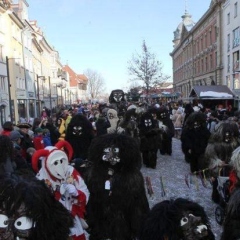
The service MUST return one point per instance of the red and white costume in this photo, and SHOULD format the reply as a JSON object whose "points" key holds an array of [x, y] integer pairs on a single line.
{"points": [[66, 183]]}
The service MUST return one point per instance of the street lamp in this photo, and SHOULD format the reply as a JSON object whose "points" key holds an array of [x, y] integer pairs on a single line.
{"points": [[38, 94], [12, 117]]}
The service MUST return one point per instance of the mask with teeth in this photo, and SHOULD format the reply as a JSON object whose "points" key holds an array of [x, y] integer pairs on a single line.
{"points": [[192, 227], [110, 155]]}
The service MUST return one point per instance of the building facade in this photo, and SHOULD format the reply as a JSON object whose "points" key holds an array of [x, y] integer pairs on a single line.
{"points": [[31, 72], [198, 50]]}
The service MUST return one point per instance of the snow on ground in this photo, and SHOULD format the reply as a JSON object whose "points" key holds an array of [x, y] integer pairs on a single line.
{"points": [[172, 170]]}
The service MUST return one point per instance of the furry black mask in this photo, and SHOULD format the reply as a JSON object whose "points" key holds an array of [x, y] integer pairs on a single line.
{"points": [[29, 211], [179, 219], [116, 96]]}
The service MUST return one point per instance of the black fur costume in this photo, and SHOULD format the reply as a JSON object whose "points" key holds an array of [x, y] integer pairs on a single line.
{"points": [[79, 135], [179, 219], [118, 201], [223, 141], [118, 101], [168, 131], [149, 139], [231, 226], [29, 211], [194, 139], [130, 123]]}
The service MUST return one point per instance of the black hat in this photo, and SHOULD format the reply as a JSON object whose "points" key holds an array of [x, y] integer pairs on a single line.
{"points": [[24, 125]]}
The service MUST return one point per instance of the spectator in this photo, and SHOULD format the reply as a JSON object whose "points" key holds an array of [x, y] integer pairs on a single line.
{"points": [[46, 138], [18, 158], [26, 141], [7, 128], [7, 165], [102, 124], [38, 139]]}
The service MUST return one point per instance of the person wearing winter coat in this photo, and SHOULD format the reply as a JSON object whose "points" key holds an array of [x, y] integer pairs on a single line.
{"points": [[102, 124]]}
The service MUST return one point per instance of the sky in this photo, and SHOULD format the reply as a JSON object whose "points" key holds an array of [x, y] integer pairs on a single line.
{"points": [[103, 35]]}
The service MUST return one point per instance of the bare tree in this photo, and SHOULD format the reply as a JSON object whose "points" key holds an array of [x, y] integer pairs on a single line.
{"points": [[96, 83], [144, 67]]}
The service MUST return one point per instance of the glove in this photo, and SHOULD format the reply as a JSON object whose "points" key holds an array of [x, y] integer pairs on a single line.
{"points": [[71, 189]]}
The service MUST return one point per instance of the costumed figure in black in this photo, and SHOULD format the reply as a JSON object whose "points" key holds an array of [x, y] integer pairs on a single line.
{"points": [[117, 99], [177, 219], [231, 222], [188, 109], [130, 123], [231, 229], [167, 130], [194, 137], [223, 141], [79, 135], [149, 139], [117, 203], [29, 211]]}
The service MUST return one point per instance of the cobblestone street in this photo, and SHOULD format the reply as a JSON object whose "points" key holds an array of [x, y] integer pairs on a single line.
{"points": [[172, 171]]}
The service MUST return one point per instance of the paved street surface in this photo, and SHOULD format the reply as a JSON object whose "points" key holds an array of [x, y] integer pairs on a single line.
{"points": [[172, 170]]}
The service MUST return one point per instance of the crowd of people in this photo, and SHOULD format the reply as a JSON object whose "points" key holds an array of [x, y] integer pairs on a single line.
{"points": [[90, 157]]}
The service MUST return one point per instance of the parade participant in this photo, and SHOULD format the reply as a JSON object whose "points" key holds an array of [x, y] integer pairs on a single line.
{"points": [[79, 134], [114, 120], [194, 139], [223, 141], [176, 219], [166, 125], [149, 139], [29, 211], [118, 201], [102, 124], [64, 181]]}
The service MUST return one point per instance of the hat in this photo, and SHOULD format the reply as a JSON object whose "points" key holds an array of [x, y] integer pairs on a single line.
{"points": [[24, 125], [38, 130], [15, 135]]}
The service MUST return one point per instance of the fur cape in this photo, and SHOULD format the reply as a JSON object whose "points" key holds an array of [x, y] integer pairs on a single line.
{"points": [[117, 202], [194, 140], [150, 139], [80, 140], [223, 141], [179, 219], [32, 199], [231, 229]]}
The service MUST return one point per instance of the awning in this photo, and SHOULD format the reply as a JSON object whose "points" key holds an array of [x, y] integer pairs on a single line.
{"points": [[211, 92]]}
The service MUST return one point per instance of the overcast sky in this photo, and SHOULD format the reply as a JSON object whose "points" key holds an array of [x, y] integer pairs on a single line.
{"points": [[103, 34]]}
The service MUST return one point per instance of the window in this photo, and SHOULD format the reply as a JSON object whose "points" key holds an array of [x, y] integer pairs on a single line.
{"points": [[228, 18], [228, 42], [211, 61], [228, 81], [2, 83], [206, 64], [235, 9], [1, 53], [228, 63], [236, 61], [236, 37]]}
